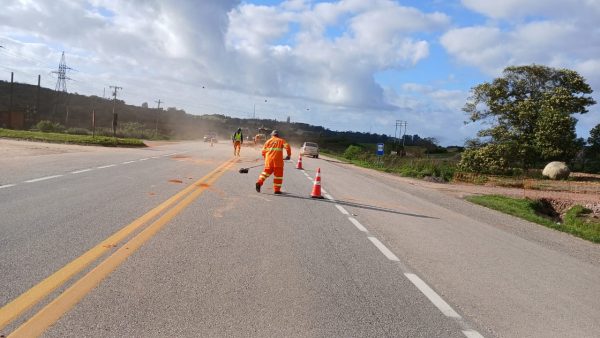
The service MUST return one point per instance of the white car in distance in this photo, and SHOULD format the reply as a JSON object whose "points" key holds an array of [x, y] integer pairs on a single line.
{"points": [[310, 149]]}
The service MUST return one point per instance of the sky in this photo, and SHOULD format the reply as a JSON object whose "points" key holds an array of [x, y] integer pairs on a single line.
{"points": [[346, 65]]}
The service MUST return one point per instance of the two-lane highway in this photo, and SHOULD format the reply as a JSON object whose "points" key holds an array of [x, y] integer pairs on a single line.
{"points": [[174, 241]]}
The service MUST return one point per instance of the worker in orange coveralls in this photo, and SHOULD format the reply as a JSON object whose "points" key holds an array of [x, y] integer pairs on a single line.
{"points": [[273, 153]]}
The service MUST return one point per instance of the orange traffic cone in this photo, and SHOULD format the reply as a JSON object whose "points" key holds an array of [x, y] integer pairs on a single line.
{"points": [[299, 163], [316, 191]]}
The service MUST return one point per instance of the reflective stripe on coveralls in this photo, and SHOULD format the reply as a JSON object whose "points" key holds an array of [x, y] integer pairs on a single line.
{"points": [[277, 178]]}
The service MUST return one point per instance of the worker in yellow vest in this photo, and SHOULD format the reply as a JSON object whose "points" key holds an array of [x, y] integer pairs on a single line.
{"points": [[237, 139]]}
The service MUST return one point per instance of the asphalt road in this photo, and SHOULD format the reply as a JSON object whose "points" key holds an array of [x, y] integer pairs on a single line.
{"points": [[377, 257]]}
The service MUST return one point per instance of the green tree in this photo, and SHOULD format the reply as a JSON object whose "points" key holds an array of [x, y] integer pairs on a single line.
{"points": [[594, 142], [529, 113]]}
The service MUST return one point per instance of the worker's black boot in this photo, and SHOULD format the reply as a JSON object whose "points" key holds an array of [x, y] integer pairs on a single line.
{"points": [[257, 187], [277, 192]]}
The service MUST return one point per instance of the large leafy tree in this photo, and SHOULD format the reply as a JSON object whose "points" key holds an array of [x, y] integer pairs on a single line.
{"points": [[529, 113]]}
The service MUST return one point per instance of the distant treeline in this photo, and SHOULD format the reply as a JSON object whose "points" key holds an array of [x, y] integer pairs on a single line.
{"points": [[172, 122]]}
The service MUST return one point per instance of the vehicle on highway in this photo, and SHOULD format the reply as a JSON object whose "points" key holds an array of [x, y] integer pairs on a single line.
{"points": [[310, 149], [210, 136], [260, 139]]}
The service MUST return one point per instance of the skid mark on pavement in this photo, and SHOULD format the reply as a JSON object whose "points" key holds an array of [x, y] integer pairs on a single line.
{"points": [[229, 204], [175, 181]]}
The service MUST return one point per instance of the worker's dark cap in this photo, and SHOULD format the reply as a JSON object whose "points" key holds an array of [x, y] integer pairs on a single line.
{"points": [[274, 133]]}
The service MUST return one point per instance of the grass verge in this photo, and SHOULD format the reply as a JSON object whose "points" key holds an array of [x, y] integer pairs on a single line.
{"points": [[72, 139], [574, 221], [407, 167]]}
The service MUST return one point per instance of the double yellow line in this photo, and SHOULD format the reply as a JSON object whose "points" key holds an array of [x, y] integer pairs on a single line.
{"points": [[37, 324]]}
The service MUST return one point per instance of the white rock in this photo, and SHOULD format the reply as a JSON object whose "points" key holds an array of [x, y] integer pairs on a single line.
{"points": [[556, 170]]}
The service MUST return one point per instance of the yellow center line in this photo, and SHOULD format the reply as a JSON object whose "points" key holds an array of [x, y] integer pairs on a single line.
{"points": [[34, 295]]}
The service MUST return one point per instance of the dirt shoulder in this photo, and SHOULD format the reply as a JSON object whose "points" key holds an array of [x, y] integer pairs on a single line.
{"points": [[461, 190], [17, 148]]}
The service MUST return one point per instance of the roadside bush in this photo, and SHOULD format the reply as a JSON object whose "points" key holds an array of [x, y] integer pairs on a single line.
{"points": [[49, 127], [353, 152], [488, 159], [133, 130]]}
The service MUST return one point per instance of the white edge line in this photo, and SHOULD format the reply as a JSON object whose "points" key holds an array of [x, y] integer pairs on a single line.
{"points": [[342, 210], [81, 171], [7, 186], [384, 250], [324, 191], [155, 157], [329, 197], [106, 166], [127, 162], [472, 334], [432, 296], [357, 224], [42, 178], [143, 159]]}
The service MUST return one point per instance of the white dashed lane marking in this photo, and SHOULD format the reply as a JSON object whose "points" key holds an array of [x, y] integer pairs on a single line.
{"points": [[433, 297], [357, 224], [42, 178], [87, 170], [342, 210], [472, 334], [81, 171], [384, 250]]}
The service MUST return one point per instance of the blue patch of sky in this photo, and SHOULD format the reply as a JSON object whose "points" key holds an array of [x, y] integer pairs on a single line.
{"points": [[437, 70], [105, 12], [459, 15], [290, 37]]}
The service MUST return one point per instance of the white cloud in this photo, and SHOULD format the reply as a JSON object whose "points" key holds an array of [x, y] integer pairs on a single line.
{"points": [[515, 10], [551, 32], [298, 54]]}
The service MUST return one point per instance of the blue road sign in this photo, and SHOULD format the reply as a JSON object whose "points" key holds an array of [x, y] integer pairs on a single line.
{"points": [[379, 149]]}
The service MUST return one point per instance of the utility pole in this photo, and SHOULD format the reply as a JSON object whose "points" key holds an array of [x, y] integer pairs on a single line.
{"points": [[400, 124], [115, 116], [37, 96], [12, 82], [156, 120]]}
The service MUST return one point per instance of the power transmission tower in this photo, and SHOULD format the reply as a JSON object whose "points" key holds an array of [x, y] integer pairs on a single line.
{"points": [[156, 120], [61, 82], [115, 116]]}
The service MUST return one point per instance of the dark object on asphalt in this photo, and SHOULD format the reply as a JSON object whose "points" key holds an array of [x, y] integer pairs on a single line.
{"points": [[277, 192], [245, 170], [257, 187]]}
